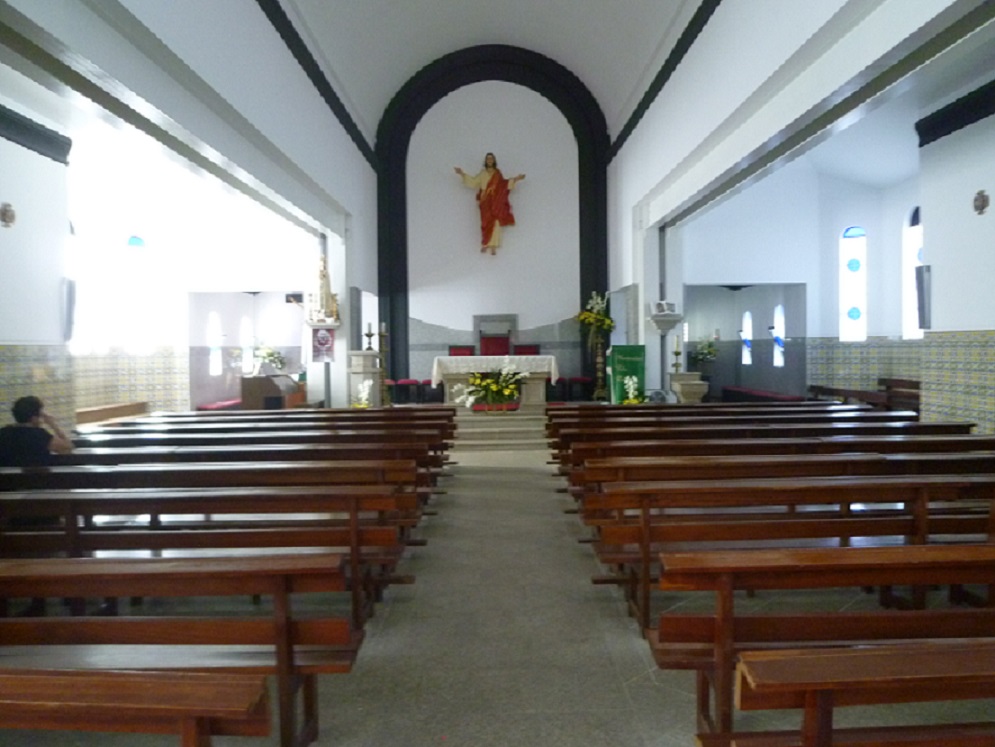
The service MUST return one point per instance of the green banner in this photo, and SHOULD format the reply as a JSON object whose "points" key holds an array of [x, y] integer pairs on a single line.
{"points": [[626, 362]]}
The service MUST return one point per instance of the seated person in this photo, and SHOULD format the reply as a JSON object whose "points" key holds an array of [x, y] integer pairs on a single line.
{"points": [[27, 443]]}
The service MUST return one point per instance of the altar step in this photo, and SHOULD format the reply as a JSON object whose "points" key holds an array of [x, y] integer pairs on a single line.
{"points": [[522, 430]]}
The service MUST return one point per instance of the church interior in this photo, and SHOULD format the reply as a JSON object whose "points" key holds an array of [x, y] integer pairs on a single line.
{"points": [[294, 204]]}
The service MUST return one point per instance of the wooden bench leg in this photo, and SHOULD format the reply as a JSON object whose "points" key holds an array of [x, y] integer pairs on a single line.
{"points": [[309, 698], [817, 723], [195, 732]]}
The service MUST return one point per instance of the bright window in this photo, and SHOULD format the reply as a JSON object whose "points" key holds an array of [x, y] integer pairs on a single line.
{"points": [[911, 259], [777, 332], [853, 285], [215, 337], [746, 335], [247, 341]]}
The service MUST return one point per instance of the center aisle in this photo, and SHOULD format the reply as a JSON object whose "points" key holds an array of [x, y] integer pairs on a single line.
{"points": [[503, 640]]}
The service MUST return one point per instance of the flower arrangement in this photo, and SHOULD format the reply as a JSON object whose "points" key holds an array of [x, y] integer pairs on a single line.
{"points": [[704, 351], [273, 357], [491, 388], [363, 390], [631, 384], [595, 317]]}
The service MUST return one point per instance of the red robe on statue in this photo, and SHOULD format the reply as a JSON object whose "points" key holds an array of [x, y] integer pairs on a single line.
{"points": [[494, 206]]}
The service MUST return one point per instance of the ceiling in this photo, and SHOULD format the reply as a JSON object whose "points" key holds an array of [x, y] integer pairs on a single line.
{"points": [[368, 49]]}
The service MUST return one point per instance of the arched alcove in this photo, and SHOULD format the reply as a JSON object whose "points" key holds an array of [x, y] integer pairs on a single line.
{"points": [[409, 105]]}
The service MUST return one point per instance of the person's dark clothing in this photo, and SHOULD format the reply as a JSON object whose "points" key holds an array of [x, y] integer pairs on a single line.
{"points": [[24, 446]]}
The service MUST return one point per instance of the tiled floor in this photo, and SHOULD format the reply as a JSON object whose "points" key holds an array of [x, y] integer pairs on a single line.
{"points": [[501, 642]]}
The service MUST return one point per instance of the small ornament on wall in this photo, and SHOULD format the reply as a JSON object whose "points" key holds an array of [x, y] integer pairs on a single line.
{"points": [[7, 215], [981, 202]]}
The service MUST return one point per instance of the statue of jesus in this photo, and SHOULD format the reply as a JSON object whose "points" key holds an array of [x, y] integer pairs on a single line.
{"points": [[492, 199]]}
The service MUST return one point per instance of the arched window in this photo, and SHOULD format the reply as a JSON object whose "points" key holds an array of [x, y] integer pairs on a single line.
{"points": [[777, 332], [746, 335], [911, 259], [853, 285], [215, 336], [246, 340]]}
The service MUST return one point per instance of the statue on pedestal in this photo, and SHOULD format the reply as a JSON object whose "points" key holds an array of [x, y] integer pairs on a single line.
{"points": [[324, 305]]}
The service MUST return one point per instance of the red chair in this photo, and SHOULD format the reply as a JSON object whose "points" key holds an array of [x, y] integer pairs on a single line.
{"points": [[495, 345], [406, 391], [431, 393], [462, 350], [526, 349]]}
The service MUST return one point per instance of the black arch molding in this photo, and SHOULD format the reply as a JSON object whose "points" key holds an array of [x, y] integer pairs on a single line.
{"points": [[440, 78]]}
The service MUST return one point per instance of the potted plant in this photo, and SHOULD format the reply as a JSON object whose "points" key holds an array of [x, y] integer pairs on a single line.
{"points": [[492, 392]]}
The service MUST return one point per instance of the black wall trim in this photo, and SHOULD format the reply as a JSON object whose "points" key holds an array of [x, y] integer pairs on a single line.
{"points": [[677, 54], [26, 132], [438, 79], [973, 107], [309, 65]]}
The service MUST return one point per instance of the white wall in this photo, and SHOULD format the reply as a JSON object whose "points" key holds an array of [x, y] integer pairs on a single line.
{"points": [[32, 251], [768, 233], [758, 66], [958, 243], [535, 273], [786, 229]]}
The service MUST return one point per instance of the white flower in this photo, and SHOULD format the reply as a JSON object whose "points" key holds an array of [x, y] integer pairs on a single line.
{"points": [[597, 304], [364, 392], [631, 384]]}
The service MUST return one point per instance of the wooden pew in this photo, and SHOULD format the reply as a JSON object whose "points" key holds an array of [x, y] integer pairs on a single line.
{"points": [[443, 430], [746, 431], [193, 705], [650, 420], [434, 412], [582, 452], [401, 472], [596, 472], [866, 396], [786, 512], [891, 394], [820, 680], [309, 435], [365, 523], [276, 643], [429, 465], [710, 643], [569, 408]]}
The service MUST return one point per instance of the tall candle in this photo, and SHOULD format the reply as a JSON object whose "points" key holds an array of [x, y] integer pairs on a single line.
{"points": [[383, 328], [677, 343], [369, 328]]}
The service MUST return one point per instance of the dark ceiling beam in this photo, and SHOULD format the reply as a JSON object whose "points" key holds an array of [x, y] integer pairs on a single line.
{"points": [[283, 26], [695, 26], [35, 137], [973, 107]]}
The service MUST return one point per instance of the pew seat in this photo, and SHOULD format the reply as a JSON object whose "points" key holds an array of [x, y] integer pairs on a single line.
{"points": [[818, 681], [709, 642], [193, 705], [291, 642]]}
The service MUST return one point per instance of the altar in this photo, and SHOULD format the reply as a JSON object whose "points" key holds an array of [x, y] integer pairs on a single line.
{"points": [[450, 370]]}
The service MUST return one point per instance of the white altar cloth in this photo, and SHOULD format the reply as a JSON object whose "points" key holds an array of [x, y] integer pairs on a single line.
{"points": [[467, 364]]}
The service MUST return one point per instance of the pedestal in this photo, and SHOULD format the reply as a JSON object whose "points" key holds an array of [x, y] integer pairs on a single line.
{"points": [[363, 365], [688, 387]]}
